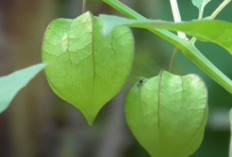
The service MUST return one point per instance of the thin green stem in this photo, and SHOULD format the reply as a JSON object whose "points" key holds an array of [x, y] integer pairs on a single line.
{"points": [[84, 6], [176, 16], [219, 9], [175, 11], [172, 62], [200, 16], [213, 16], [188, 49], [123, 9]]}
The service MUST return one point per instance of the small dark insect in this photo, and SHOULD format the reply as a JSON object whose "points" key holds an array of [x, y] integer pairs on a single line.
{"points": [[141, 82]]}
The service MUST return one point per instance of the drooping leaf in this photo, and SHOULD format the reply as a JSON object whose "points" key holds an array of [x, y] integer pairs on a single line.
{"points": [[10, 85], [200, 4], [186, 47], [168, 113], [203, 30], [188, 50], [87, 69]]}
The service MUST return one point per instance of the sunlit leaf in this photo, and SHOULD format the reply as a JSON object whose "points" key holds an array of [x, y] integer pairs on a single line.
{"points": [[87, 69], [168, 113], [10, 85]]}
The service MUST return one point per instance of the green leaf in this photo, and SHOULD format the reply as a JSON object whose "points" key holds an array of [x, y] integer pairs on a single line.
{"points": [[207, 31], [187, 48], [87, 69], [168, 114], [200, 4], [203, 30], [10, 85]]}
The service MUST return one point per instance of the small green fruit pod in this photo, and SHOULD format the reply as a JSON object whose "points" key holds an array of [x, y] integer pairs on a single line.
{"points": [[168, 114], [85, 67]]}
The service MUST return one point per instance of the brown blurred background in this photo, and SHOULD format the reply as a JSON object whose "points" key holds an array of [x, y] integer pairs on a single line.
{"points": [[39, 124]]}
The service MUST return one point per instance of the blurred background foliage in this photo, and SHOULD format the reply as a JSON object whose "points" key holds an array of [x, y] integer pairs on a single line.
{"points": [[38, 124]]}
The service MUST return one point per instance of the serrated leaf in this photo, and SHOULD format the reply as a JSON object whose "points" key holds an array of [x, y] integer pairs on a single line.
{"points": [[168, 113], [87, 69], [10, 85], [200, 4]]}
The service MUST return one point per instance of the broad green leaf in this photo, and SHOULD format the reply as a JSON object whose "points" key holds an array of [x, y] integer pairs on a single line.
{"points": [[200, 4], [168, 114], [207, 31], [10, 85], [186, 47], [87, 69], [203, 30]]}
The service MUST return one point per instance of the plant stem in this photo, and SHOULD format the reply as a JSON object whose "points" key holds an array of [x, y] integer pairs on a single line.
{"points": [[213, 16], [84, 6], [172, 62], [176, 16], [189, 50], [201, 11], [219, 9], [123, 9]]}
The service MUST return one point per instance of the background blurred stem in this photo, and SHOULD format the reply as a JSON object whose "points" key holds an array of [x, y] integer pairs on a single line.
{"points": [[219, 9], [172, 62], [84, 6]]}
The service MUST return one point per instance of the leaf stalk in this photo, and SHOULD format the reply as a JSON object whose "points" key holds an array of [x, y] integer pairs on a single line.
{"points": [[176, 16], [219, 9], [83, 6], [188, 49]]}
